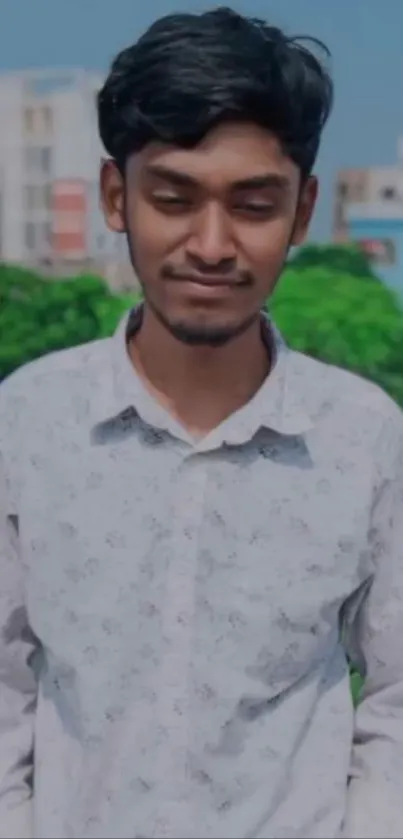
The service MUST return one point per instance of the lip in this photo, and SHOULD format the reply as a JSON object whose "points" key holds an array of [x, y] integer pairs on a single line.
{"points": [[206, 289], [208, 282]]}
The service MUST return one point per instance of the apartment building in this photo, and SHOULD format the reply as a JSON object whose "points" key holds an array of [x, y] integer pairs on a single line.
{"points": [[375, 185], [368, 210], [49, 169]]}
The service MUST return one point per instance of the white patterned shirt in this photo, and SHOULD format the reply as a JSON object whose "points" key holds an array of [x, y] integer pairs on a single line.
{"points": [[175, 615]]}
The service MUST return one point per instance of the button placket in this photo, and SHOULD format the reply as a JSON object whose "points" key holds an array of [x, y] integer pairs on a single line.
{"points": [[177, 631]]}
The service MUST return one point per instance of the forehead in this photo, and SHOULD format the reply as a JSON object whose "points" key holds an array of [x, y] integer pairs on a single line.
{"points": [[229, 153]]}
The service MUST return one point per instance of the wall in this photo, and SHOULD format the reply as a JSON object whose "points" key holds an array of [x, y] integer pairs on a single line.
{"points": [[386, 183], [11, 157], [77, 151], [351, 185]]}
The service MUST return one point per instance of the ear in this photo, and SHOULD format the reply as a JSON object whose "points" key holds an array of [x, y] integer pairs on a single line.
{"points": [[305, 208], [112, 196]]}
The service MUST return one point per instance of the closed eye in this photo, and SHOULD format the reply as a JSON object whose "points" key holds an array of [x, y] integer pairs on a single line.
{"points": [[258, 208], [168, 198]]}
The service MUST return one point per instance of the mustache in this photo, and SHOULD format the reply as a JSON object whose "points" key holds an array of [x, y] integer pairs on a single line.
{"points": [[240, 277]]}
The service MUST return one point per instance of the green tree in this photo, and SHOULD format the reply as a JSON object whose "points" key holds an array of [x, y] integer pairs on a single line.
{"points": [[343, 319], [343, 259], [17, 284], [39, 316]]}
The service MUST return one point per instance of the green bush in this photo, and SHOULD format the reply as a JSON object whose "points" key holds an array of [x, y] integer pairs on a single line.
{"points": [[345, 259], [38, 316], [343, 319]]}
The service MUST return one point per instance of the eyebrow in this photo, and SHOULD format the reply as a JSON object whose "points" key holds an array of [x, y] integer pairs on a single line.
{"points": [[173, 176]]}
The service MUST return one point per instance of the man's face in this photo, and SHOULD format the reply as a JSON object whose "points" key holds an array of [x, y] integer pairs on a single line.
{"points": [[209, 228]]}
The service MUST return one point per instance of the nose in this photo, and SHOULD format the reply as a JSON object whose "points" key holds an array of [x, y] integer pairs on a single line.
{"points": [[210, 243]]}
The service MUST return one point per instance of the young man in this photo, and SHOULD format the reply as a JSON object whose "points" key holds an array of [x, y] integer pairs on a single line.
{"points": [[197, 524]]}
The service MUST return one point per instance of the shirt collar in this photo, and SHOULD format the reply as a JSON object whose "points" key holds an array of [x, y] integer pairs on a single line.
{"points": [[279, 404]]}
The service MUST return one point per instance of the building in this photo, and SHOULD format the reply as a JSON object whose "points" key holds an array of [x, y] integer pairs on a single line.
{"points": [[381, 184], [378, 229], [368, 209], [49, 169]]}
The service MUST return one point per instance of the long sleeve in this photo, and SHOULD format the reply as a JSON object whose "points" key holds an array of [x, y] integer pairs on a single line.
{"points": [[375, 794], [17, 684]]}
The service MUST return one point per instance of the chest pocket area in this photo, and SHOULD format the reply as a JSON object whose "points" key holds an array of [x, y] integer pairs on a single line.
{"points": [[274, 583]]}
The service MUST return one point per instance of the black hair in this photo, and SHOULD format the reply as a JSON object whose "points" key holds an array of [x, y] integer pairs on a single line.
{"points": [[189, 72]]}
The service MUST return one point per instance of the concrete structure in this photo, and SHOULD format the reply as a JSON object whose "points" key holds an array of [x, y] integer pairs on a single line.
{"points": [[378, 230], [368, 209], [49, 169], [376, 185]]}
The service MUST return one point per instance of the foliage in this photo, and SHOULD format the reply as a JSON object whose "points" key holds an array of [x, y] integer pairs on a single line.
{"points": [[39, 316], [346, 259], [344, 320]]}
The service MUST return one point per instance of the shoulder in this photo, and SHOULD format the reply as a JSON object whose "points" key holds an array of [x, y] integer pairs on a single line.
{"points": [[348, 402], [46, 387]]}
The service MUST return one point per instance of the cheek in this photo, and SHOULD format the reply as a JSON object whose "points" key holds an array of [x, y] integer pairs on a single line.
{"points": [[266, 246], [153, 235]]}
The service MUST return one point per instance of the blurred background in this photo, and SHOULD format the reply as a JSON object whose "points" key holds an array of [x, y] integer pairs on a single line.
{"points": [[64, 279]]}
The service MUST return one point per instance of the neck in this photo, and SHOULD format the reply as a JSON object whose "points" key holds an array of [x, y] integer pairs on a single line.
{"points": [[199, 386]]}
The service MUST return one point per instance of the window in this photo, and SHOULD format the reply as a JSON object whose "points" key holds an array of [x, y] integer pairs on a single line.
{"points": [[30, 238], [29, 120], [389, 193], [30, 198], [47, 115], [47, 197], [38, 120], [47, 235], [31, 158], [38, 160], [45, 159], [38, 197]]}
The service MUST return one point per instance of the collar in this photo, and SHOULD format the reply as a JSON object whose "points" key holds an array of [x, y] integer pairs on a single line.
{"points": [[279, 404]]}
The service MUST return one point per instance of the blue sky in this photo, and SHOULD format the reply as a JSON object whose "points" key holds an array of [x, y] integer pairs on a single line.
{"points": [[365, 37]]}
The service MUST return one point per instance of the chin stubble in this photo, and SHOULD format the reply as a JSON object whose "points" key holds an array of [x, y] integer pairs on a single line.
{"points": [[203, 336]]}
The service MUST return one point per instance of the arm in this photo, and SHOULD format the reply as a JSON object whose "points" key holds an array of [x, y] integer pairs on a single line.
{"points": [[375, 794], [17, 684]]}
